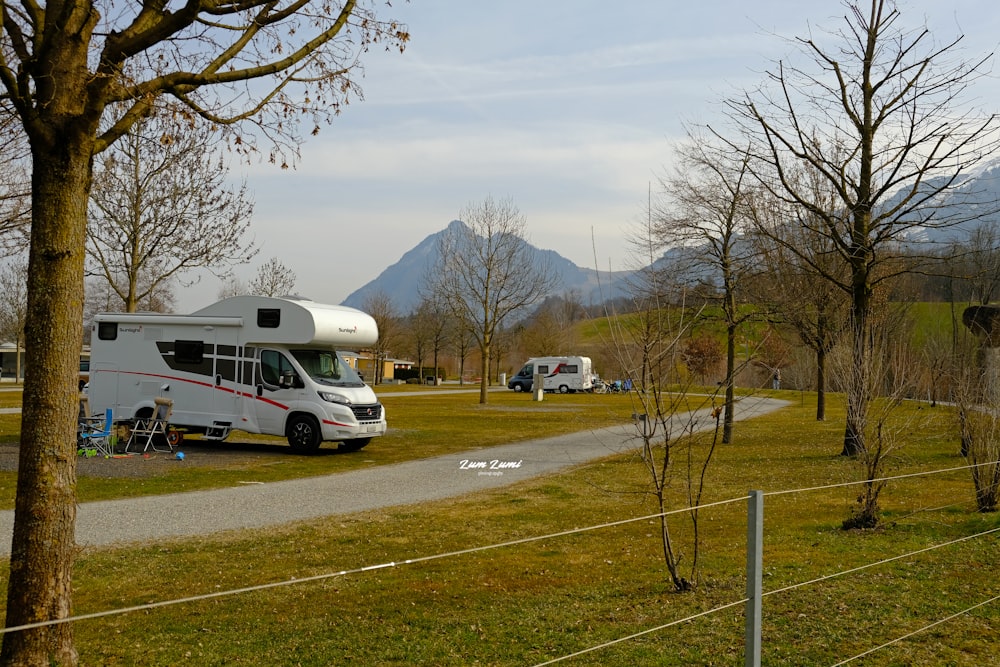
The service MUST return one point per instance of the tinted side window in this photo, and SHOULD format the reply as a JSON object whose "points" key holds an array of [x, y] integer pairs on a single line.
{"points": [[268, 318], [544, 370], [189, 351], [107, 330]]}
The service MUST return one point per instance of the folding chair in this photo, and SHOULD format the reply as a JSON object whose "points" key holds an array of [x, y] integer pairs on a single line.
{"points": [[152, 431], [83, 419], [95, 435]]}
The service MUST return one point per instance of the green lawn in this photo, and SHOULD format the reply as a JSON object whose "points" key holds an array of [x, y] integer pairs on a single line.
{"points": [[525, 604]]}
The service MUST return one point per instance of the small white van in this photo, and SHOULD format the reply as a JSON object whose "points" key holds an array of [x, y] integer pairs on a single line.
{"points": [[562, 374], [258, 364]]}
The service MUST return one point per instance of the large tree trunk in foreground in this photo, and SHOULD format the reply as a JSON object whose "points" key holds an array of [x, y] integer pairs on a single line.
{"points": [[43, 545]]}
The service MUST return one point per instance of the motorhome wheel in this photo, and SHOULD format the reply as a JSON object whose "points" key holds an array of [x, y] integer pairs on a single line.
{"points": [[303, 434], [563, 389]]}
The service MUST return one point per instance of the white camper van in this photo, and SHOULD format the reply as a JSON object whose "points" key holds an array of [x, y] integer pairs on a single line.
{"points": [[562, 374], [258, 364]]}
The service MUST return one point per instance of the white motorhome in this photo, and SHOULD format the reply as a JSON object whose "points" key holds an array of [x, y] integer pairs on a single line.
{"points": [[562, 374], [258, 364]]}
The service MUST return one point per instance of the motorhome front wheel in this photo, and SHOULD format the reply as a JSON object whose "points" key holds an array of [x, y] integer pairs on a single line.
{"points": [[303, 434]]}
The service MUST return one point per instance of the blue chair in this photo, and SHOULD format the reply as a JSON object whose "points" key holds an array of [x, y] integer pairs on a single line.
{"points": [[96, 436]]}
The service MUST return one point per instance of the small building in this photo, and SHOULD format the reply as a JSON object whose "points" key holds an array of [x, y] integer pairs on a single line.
{"points": [[9, 353], [9, 367], [366, 366]]}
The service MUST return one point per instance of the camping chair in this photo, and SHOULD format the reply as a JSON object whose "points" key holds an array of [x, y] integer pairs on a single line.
{"points": [[94, 435], [152, 431], [84, 408]]}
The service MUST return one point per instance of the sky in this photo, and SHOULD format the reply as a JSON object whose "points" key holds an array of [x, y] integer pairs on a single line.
{"points": [[569, 109]]}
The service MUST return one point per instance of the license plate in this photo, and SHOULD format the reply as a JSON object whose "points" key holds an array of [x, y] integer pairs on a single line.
{"points": [[370, 429]]}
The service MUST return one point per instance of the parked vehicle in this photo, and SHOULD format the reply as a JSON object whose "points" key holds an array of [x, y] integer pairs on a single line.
{"points": [[258, 364], [562, 374]]}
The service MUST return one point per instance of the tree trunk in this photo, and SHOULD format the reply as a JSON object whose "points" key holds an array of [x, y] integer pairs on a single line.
{"points": [[727, 424], [484, 380], [43, 544], [860, 368], [821, 384]]}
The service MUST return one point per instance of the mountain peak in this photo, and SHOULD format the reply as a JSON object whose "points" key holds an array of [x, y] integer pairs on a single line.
{"points": [[402, 280]]}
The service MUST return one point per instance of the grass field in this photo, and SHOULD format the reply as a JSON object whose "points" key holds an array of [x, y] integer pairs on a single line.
{"points": [[530, 603]]}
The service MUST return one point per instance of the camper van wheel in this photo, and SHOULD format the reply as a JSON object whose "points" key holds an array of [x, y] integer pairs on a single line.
{"points": [[353, 445], [303, 434], [518, 387], [563, 389]]}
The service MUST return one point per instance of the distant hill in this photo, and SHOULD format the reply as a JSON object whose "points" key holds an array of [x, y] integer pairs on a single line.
{"points": [[402, 280]]}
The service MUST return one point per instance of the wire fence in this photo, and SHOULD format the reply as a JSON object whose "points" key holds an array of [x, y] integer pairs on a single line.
{"points": [[415, 560]]}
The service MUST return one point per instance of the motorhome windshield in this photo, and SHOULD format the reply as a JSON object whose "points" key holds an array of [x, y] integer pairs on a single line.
{"points": [[327, 367]]}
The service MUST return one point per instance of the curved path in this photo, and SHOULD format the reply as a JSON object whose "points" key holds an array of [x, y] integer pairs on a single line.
{"points": [[259, 505]]}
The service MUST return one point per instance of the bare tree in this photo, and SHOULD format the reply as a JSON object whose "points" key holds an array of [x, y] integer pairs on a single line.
{"points": [[705, 208], [796, 294], [79, 75], [980, 256], [885, 429], [878, 114], [273, 279], [462, 340], [154, 293], [160, 208], [431, 330], [233, 286], [648, 347], [15, 185], [14, 307], [978, 392], [379, 305], [550, 331], [101, 298], [488, 273]]}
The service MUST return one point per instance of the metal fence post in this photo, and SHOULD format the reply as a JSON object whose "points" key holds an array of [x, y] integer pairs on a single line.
{"points": [[755, 566]]}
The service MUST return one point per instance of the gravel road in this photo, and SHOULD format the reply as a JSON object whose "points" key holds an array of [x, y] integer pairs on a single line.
{"points": [[142, 520]]}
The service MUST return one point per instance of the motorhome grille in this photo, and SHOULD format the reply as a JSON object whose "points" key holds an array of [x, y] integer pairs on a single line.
{"points": [[365, 413]]}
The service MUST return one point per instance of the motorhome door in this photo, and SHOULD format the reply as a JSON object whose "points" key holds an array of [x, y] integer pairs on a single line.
{"points": [[277, 386]]}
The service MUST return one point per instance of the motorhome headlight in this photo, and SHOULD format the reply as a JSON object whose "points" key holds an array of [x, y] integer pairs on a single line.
{"points": [[332, 397]]}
